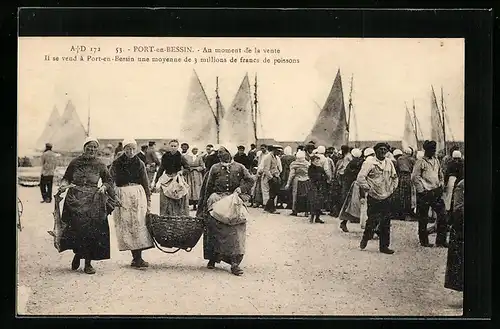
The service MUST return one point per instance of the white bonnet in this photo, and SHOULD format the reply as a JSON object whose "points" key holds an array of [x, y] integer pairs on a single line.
{"points": [[90, 139], [397, 152], [129, 141], [369, 151], [356, 152]]}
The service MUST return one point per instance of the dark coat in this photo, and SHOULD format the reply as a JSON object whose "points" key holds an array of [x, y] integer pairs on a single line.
{"points": [[318, 179]]}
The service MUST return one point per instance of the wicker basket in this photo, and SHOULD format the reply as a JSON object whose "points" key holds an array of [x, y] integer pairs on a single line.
{"points": [[181, 232]]}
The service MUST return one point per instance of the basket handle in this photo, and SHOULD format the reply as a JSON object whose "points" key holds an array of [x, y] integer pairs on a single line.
{"points": [[166, 251]]}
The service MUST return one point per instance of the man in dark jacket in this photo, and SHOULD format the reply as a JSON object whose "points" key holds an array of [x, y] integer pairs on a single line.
{"points": [[242, 158], [142, 154], [252, 154]]}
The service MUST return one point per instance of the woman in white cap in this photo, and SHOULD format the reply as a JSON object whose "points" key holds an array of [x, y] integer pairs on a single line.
{"points": [[132, 190], [194, 177], [351, 205], [298, 183], [325, 164], [85, 208], [454, 173], [173, 165], [404, 196], [221, 241], [285, 196], [257, 199]]}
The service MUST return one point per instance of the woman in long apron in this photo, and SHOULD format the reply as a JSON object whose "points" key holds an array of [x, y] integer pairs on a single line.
{"points": [[285, 195], [132, 190], [85, 209], [173, 164]]}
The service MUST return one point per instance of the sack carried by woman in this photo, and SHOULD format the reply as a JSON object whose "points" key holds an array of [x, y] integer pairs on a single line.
{"points": [[230, 210], [174, 187]]}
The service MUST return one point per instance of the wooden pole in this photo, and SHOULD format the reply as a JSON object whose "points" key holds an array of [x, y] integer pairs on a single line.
{"points": [[217, 110], [350, 109], [416, 125], [255, 110], [442, 122]]}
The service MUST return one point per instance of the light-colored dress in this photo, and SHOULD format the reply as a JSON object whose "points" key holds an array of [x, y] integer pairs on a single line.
{"points": [[194, 177], [298, 180]]}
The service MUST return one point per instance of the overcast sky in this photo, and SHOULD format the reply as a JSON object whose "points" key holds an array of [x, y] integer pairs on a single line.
{"points": [[147, 99]]}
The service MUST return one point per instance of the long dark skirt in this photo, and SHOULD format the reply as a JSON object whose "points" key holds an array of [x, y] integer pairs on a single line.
{"points": [[257, 193], [173, 207], [316, 194], [335, 197], [401, 198], [454, 276], [87, 232], [223, 242], [301, 197]]}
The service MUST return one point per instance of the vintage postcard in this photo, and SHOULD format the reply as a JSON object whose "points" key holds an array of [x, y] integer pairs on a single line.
{"points": [[240, 176]]}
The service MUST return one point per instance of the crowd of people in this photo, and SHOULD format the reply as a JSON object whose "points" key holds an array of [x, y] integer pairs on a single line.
{"points": [[371, 186]]}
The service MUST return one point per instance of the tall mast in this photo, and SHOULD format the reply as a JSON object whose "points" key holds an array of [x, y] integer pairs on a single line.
{"points": [[415, 120], [350, 109], [255, 110], [442, 121], [217, 110], [88, 115]]}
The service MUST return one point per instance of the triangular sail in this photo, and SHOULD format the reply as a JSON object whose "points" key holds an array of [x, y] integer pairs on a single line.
{"points": [[49, 130], [437, 134], [71, 134], [330, 127], [409, 136], [237, 124], [199, 124]]}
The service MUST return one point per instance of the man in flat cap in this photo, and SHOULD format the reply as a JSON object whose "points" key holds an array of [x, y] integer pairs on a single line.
{"points": [[242, 158], [49, 164], [428, 178], [378, 179]]}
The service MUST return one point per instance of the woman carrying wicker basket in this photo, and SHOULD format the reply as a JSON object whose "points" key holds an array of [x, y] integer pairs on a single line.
{"points": [[222, 242], [173, 165], [132, 190]]}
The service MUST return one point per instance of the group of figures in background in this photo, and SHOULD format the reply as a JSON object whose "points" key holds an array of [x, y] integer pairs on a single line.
{"points": [[370, 186]]}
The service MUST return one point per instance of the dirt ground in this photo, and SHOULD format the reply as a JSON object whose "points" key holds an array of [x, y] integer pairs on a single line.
{"points": [[291, 267]]}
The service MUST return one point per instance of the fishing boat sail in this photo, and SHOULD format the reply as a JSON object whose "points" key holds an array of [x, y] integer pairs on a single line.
{"points": [[437, 131], [238, 125], [50, 129], [331, 126], [199, 125], [71, 133], [410, 134]]}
